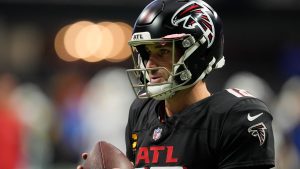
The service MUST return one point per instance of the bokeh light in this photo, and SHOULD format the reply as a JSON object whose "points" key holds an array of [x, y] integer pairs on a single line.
{"points": [[88, 41], [125, 51], [60, 47], [93, 42], [71, 37]]}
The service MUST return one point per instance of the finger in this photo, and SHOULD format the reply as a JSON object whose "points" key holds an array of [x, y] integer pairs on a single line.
{"points": [[84, 155], [80, 167]]}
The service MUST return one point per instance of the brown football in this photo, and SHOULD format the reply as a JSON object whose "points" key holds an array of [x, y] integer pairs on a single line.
{"points": [[106, 156]]}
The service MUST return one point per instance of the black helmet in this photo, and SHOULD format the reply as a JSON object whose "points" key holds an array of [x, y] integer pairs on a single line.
{"points": [[191, 25]]}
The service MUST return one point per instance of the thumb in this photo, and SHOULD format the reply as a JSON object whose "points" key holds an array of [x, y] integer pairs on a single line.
{"points": [[84, 156]]}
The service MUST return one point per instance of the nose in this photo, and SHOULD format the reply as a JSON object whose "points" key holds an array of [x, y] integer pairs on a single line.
{"points": [[151, 62]]}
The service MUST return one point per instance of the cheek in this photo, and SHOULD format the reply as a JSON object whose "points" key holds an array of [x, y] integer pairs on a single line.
{"points": [[165, 73], [170, 65], [166, 62]]}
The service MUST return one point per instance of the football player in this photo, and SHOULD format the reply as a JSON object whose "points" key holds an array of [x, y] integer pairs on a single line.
{"points": [[176, 122]]}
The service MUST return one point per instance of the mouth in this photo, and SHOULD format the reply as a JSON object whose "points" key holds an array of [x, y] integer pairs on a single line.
{"points": [[157, 79]]}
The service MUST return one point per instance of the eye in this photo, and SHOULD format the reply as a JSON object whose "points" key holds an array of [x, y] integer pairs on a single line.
{"points": [[164, 52]]}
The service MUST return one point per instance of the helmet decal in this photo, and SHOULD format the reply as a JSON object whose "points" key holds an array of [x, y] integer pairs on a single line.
{"points": [[196, 15], [141, 36]]}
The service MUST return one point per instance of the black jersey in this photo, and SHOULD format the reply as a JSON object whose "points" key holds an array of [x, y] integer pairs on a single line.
{"points": [[229, 129]]}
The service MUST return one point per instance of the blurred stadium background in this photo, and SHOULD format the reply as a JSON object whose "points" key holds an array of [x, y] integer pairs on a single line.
{"points": [[63, 84]]}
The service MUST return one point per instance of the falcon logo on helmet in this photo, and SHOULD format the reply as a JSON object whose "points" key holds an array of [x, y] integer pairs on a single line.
{"points": [[258, 130], [195, 15]]}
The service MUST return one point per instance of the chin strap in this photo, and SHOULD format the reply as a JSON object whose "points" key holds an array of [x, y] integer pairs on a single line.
{"points": [[160, 92]]}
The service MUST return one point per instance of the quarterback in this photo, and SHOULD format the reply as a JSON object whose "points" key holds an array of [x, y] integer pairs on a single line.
{"points": [[176, 122]]}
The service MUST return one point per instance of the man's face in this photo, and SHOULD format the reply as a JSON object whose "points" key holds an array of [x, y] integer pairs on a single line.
{"points": [[159, 55]]}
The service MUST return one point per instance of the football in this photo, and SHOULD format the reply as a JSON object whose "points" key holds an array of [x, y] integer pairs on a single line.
{"points": [[106, 156]]}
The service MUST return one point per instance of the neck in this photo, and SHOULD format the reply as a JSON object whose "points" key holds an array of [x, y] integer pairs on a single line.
{"points": [[185, 98]]}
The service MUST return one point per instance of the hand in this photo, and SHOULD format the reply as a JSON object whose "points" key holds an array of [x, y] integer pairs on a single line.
{"points": [[84, 157]]}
